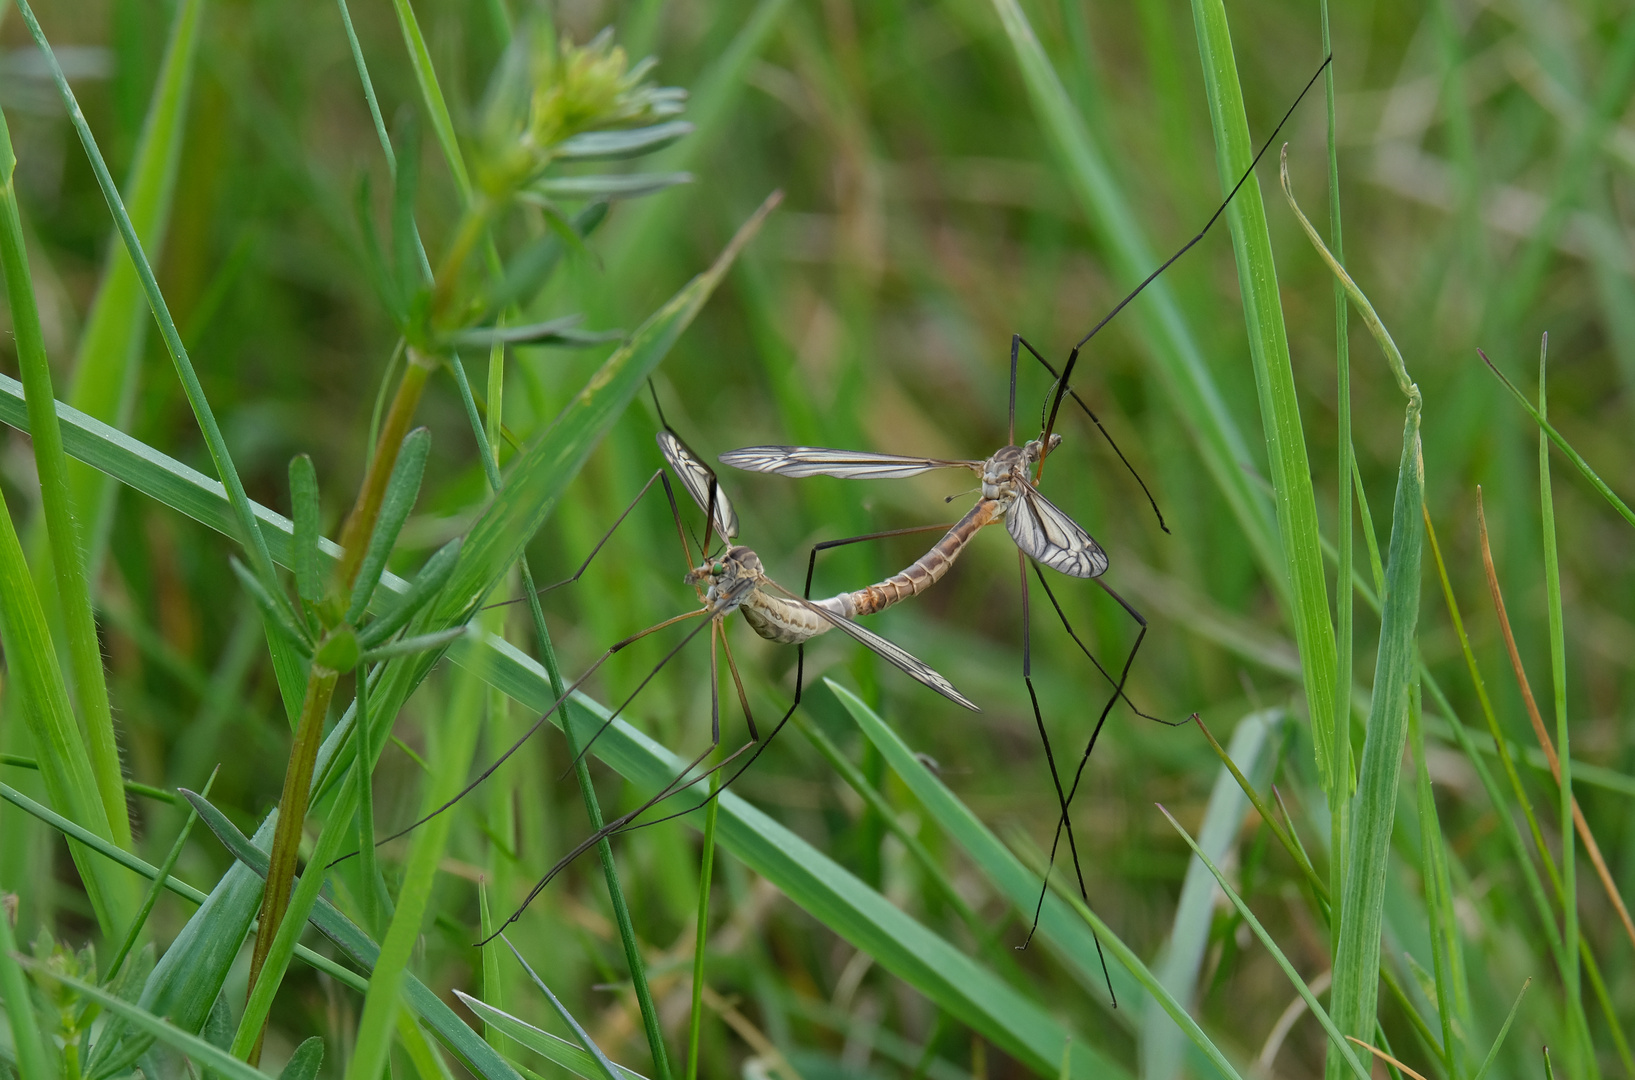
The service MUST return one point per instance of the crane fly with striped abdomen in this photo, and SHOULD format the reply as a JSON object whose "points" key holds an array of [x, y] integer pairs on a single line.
{"points": [[1009, 479], [734, 580]]}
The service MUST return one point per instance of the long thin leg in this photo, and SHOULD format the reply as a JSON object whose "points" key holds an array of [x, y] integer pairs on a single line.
{"points": [[1085, 649], [1148, 280], [537, 724], [613, 826], [681, 782], [660, 474], [1065, 820], [1094, 420], [1118, 692], [811, 558]]}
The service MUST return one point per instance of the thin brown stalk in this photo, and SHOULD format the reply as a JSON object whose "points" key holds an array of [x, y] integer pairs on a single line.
{"points": [[1590, 846], [361, 521], [1383, 1056]]}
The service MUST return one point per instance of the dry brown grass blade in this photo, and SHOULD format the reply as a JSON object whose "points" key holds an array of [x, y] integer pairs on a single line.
{"points": [[1590, 846], [1383, 1056]]}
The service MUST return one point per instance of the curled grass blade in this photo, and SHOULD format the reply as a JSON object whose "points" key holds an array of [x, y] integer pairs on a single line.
{"points": [[1336, 1041]]}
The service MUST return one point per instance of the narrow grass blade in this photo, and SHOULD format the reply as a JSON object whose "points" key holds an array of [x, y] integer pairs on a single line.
{"points": [[695, 1020], [1446, 966], [1337, 1042], [604, 1067], [456, 737], [1558, 677], [556, 1050], [72, 589], [201, 1051], [107, 366], [37, 682], [158, 883], [1293, 495], [1020, 887], [1510, 1018], [431, 94], [1162, 1050], [1549, 432], [27, 1043], [1167, 1001]]}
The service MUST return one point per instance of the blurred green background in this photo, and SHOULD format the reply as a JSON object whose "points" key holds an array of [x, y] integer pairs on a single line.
{"points": [[1485, 163]]}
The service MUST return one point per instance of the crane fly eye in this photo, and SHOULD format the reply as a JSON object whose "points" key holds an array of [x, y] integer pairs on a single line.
{"points": [[720, 568]]}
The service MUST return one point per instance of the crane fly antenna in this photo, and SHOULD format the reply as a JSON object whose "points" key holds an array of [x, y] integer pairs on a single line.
{"points": [[1073, 357], [1094, 419]]}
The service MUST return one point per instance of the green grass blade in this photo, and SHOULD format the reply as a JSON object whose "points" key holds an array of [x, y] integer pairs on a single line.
{"points": [[1179, 358], [695, 1020], [260, 561], [107, 366], [604, 1067], [201, 1051], [1493, 1054], [1357, 952], [1337, 1043], [158, 883], [1566, 448], [556, 1050], [1252, 748], [431, 94], [457, 742], [1150, 982], [1019, 886], [1433, 871], [21, 1018], [1294, 497], [1558, 673], [39, 689], [71, 589]]}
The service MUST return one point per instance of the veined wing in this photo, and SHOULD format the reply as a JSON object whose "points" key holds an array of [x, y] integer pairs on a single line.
{"points": [[896, 655], [851, 464], [700, 482], [1049, 536]]}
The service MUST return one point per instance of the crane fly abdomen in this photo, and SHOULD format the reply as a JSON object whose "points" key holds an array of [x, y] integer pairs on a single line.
{"points": [[922, 573]]}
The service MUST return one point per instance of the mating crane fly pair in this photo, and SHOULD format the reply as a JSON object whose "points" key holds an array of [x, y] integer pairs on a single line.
{"points": [[735, 579]]}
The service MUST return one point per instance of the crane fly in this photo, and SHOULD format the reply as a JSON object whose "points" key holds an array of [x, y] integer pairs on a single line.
{"points": [[1044, 534], [733, 580]]}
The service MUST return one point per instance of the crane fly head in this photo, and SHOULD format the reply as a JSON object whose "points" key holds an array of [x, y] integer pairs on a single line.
{"points": [[722, 583]]}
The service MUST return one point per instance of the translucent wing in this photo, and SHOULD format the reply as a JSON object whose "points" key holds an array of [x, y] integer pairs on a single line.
{"points": [[897, 656], [851, 464], [1049, 536], [700, 481]]}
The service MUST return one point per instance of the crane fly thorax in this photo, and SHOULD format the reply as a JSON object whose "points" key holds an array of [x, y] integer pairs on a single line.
{"points": [[723, 583], [1006, 473]]}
